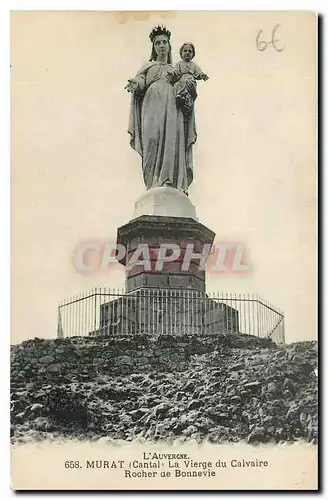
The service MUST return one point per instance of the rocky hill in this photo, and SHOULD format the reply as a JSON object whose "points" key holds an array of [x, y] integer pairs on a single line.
{"points": [[219, 388]]}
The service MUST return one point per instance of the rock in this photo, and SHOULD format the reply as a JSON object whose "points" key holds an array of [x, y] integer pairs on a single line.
{"points": [[272, 387], [219, 417], [98, 361], [36, 406], [55, 368], [143, 360], [46, 359], [190, 430], [210, 395], [194, 404], [256, 435], [189, 387], [161, 409], [252, 384], [237, 367], [41, 423], [215, 385], [20, 416], [123, 360], [140, 412]]}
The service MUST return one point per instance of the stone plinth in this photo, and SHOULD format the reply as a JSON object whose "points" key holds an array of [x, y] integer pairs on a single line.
{"points": [[165, 296], [166, 312], [154, 230], [166, 202]]}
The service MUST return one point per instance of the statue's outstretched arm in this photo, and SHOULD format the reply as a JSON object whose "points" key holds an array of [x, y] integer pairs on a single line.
{"points": [[138, 83]]}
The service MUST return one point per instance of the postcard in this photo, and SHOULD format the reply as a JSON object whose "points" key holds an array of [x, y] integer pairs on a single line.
{"points": [[164, 250]]}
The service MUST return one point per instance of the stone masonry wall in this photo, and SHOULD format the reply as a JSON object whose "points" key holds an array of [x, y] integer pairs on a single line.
{"points": [[40, 358]]}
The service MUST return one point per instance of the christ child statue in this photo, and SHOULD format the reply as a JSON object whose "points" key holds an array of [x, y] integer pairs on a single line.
{"points": [[184, 77]]}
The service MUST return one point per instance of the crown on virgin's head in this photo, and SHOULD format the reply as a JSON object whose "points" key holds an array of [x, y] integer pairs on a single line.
{"points": [[159, 30]]}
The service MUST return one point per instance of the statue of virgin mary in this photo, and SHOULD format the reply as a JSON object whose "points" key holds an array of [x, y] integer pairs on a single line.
{"points": [[159, 131]]}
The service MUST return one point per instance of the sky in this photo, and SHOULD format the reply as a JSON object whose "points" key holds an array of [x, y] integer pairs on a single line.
{"points": [[75, 178]]}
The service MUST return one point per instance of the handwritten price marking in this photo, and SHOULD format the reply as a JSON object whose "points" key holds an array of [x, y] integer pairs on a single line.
{"points": [[263, 45]]}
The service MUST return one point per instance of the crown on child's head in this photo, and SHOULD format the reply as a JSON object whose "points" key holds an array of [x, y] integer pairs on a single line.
{"points": [[159, 30]]}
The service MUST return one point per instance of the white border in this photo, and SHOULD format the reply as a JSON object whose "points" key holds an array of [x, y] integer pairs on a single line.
{"points": [[315, 5], [6, 6]]}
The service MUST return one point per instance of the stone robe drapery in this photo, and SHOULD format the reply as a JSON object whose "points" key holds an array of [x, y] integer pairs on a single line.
{"points": [[159, 132]]}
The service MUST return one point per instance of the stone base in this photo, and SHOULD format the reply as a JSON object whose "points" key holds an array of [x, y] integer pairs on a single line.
{"points": [[164, 202], [153, 231], [170, 300], [166, 312]]}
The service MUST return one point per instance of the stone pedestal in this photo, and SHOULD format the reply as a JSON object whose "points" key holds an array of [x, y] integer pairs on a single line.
{"points": [[164, 202], [166, 312], [164, 215], [152, 231], [171, 299]]}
